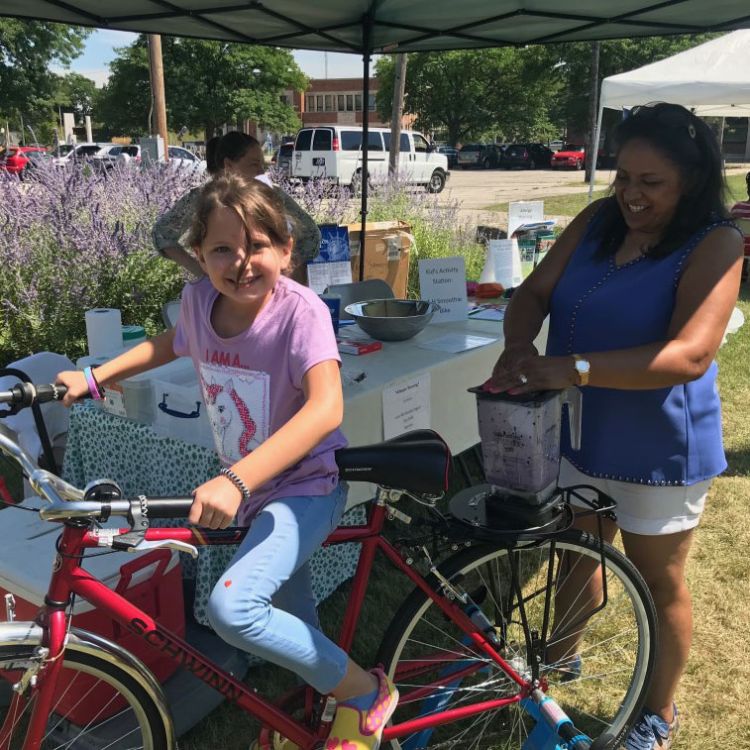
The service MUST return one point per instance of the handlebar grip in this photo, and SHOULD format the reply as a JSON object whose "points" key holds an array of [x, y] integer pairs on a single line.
{"points": [[169, 507], [26, 394]]}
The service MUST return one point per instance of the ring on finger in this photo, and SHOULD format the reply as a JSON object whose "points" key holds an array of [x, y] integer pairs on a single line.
{"points": [[523, 379]]}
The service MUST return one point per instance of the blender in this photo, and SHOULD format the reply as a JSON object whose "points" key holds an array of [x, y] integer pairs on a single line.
{"points": [[520, 437]]}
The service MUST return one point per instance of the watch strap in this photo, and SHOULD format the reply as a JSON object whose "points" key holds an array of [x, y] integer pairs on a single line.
{"points": [[583, 375]]}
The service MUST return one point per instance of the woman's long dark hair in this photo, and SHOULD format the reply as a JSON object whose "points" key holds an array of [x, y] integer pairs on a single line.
{"points": [[690, 145]]}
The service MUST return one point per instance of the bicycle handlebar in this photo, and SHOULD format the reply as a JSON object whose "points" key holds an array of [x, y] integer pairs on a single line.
{"points": [[26, 394]]}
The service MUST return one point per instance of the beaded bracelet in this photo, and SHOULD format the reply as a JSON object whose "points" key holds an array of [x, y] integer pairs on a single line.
{"points": [[94, 388], [236, 481]]}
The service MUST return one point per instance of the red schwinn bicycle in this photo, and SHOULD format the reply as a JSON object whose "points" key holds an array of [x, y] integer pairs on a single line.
{"points": [[482, 650]]}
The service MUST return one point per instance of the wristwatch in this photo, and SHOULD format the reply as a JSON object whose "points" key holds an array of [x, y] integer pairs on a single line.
{"points": [[583, 368]]}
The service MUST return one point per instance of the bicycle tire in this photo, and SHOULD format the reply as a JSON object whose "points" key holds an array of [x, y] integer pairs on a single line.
{"points": [[87, 677], [618, 698]]}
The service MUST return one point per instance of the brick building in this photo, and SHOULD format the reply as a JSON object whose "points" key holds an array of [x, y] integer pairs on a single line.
{"points": [[336, 101]]}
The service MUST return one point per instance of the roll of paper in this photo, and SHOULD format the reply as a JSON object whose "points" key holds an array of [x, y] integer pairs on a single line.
{"points": [[103, 330]]}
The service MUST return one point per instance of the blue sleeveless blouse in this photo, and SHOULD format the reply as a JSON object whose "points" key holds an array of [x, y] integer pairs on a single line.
{"points": [[664, 436]]}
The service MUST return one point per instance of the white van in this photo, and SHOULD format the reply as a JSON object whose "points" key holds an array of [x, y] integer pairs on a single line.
{"points": [[334, 152]]}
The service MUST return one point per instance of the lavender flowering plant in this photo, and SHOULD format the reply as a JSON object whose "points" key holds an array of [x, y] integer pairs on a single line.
{"points": [[74, 238], [435, 222]]}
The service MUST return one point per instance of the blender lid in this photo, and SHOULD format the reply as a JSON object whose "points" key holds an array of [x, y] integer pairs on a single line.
{"points": [[536, 397]]}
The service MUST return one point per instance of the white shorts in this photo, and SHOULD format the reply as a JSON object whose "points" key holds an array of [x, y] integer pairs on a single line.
{"points": [[642, 508]]}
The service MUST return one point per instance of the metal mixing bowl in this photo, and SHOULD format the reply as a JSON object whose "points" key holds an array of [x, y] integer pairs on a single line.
{"points": [[392, 319]]}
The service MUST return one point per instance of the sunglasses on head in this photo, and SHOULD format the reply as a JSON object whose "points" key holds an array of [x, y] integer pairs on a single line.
{"points": [[670, 115]]}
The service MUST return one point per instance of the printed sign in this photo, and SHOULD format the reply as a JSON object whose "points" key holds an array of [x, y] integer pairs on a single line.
{"points": [[524, 212], [443, 281], [406, 407]]}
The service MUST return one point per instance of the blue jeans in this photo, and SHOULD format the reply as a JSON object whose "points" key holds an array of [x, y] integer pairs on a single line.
{"points": [[264, 604]]}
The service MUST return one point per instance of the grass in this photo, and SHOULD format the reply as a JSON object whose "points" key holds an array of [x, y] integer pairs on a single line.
{"points": [[572, 203]]}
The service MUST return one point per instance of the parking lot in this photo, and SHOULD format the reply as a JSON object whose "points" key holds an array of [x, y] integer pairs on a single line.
{"points": [[477, 189]]}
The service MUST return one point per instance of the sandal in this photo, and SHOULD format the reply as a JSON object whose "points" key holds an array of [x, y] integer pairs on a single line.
{"points": [[353, 729]]}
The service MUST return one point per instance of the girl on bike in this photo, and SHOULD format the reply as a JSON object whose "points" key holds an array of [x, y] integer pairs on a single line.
{"points": [[266, 357]]}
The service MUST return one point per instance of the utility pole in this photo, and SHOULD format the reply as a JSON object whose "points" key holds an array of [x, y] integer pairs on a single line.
{"points": [[399, 86], [157, 89], [593, 148]]}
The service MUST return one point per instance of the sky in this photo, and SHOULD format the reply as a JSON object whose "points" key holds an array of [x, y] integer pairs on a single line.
{"points": [[100, 49]]}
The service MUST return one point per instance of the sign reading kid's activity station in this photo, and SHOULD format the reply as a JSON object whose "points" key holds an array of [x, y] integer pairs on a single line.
{"points": [[443, 281]]}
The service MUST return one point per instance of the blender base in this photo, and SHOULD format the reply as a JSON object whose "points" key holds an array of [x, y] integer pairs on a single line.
{"points": [[492, 513]]}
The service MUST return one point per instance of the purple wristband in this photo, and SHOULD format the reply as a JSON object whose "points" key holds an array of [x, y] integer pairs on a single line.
{"points": [[94, 387]]}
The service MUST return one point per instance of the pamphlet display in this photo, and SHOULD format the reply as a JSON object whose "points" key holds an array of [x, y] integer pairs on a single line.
{"points": [[524, 212]]}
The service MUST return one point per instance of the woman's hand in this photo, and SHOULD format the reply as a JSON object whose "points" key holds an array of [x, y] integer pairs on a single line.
{"points": [[509, 366], [215, 503], [532, 373], [75, 382]]}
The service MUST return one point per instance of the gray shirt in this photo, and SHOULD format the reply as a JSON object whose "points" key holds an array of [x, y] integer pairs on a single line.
{"points": [[171, 227]]}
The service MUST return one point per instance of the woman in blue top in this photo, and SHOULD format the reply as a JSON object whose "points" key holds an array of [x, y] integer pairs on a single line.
{"points": [[639, 289]]}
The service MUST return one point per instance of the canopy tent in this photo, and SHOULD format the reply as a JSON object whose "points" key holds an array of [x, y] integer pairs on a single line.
{"points": [[712, 79], [367, 26], [371, 26]]}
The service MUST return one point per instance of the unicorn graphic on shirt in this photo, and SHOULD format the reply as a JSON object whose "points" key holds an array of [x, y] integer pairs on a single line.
{"points": [[237, 408]]}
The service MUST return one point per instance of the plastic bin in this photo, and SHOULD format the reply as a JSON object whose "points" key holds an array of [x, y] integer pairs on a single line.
{"points": [[152, 581], [179, 411]]}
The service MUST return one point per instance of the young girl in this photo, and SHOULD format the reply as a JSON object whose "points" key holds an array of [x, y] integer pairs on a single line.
{"points": [[266, 357]]}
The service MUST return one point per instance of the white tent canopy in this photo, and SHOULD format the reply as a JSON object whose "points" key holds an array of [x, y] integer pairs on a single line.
{"points": [[712, 79]]}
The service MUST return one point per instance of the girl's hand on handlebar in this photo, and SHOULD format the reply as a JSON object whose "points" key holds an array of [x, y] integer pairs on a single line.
{"points": [[215, 504], [76, 384]]}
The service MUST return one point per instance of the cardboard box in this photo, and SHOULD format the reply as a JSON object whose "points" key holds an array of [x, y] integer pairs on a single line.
{"points": [[387, 249]]}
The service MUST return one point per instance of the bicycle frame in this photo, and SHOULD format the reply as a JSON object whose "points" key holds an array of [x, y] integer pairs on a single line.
{"points": [[69, 578]]}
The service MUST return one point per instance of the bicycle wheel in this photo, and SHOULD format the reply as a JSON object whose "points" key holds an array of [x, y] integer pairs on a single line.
{"points": [[436, 669], [97, 704]]}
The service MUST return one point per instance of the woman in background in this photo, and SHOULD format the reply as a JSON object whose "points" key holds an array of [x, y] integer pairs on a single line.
{"points": [[240, 154]]}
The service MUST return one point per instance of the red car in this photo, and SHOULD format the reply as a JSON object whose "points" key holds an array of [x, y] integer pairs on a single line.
{"points": [[570, 157], [15, 159]]}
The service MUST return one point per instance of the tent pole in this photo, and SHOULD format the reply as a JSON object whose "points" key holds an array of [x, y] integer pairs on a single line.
{"points": [[367, 42], [595, 146]]}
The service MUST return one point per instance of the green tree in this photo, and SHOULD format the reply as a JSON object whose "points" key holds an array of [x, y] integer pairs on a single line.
{"points": [[472, 94], [123, 106], [76, 94], [206, 83], [572, 61], [210, 83], [27, 48]]}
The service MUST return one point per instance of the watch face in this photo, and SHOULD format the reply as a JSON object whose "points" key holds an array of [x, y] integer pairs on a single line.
{"points": [[582, 365]]}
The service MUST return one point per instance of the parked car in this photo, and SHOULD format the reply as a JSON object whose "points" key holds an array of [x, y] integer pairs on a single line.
{"points": [[36, 159], [556, 145], [526, 156], [104, 159], [282, 159], [16, 158], [480, 155], [571, 156], [78, 153], [183, 159], [450, 153], [334, 152]]}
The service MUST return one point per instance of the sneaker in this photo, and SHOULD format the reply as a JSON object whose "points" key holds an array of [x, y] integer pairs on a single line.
{"points": [[651, 732], [353, 729]]}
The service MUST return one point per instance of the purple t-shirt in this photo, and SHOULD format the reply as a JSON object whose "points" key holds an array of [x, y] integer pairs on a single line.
{"points": [[252, 382]]}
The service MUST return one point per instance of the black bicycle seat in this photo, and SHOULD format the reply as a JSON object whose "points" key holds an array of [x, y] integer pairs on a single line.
{"points": [[418, 462]]}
